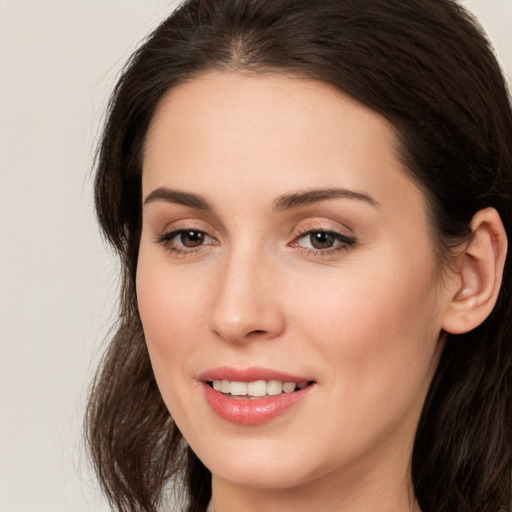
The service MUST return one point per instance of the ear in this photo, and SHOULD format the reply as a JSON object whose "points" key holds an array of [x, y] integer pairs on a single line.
{"points": [[476, 286]]}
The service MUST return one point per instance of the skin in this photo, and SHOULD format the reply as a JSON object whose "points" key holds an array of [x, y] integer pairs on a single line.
{"points": [[362, 320]]}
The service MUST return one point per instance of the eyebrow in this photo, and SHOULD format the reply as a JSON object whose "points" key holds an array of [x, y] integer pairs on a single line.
{"points": [[307, 197], [282, 203], [178, 197]]}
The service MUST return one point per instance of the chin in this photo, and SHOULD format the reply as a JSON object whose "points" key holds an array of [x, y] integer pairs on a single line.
{"points": [[265, 467], [256, 476]]}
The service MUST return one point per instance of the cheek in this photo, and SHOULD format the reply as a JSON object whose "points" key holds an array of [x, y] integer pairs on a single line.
{"points": [[168, 301], [377, 327], [170, 310], [171, 306]]}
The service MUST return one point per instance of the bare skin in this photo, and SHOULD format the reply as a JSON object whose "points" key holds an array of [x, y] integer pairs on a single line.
{"points": [[280, 230]]}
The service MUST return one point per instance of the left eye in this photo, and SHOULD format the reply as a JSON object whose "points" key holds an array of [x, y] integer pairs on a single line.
{"points": [[322, 240]]}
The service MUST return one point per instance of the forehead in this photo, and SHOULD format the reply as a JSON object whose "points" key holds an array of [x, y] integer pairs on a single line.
{"points": [[248, 131]]}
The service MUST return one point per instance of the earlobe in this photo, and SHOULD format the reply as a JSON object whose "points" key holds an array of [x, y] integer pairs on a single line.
{"points": [[480, 274]]}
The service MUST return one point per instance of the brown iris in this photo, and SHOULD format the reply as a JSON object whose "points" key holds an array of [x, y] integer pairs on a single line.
{"points": [[322, 240], [192, 238]]}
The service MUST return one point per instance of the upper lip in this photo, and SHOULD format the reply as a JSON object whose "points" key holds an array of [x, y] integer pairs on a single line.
{"points": [[249, 375]]}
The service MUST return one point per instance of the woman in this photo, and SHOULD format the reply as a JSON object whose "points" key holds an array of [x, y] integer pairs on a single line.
{"points": [[311, 202]]}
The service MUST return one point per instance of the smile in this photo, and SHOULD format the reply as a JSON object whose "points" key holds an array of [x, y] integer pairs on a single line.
{"points": [[254, 395], [256, 389]]}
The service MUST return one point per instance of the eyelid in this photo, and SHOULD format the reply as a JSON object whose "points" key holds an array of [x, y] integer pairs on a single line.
{"points": [[345, 241], [165, 236], [317, 226], [185, 223], [169, 235], [341, 237]]}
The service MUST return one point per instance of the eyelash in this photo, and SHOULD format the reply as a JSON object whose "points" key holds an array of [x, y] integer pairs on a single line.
{"points": [[165, 240], [346, 242]]}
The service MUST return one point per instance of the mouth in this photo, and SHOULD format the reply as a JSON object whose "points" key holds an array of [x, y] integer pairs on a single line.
{"points": [[254, 395], [257, 389]]}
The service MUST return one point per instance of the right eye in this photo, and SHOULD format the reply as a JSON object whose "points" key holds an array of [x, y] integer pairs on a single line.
{"points": [[190, 238], [185, 240]]}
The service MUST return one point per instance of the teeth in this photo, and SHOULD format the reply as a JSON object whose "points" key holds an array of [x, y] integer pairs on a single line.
{"points": [[288, 387], [257, 388], [225, 386], [274, 387], [238, 388]]}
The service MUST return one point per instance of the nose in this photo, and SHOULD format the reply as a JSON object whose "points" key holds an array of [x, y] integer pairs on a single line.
{"points": [[245, 304]]}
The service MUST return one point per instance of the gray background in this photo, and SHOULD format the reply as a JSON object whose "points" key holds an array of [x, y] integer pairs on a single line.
{"points": [[58, 61]]}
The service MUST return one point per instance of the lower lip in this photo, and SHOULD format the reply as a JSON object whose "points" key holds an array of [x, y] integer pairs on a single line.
{"points": [[245, 411]]}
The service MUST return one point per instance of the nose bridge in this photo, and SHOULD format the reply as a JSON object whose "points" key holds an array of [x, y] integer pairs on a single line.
{"points": [[245, 303]]}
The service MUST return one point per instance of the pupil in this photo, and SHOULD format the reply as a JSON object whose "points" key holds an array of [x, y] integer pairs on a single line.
{"points": [[321, 240], [192, 238]]}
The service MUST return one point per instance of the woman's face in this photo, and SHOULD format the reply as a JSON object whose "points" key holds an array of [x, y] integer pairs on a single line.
{"points": [[282, 241]]}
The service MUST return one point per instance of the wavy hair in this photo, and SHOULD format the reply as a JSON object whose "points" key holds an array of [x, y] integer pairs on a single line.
{"points": [[427, 67]]}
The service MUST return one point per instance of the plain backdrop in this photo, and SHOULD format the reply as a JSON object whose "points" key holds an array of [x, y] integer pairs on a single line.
{"points": [[58, 281]]}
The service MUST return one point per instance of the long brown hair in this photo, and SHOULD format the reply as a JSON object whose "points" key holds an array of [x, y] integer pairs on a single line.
{"points": [[426, 66]]}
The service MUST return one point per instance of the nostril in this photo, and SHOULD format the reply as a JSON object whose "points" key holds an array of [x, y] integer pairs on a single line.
{"points": [[239, 321]]}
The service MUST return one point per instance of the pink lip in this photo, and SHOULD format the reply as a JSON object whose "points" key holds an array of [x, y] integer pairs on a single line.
{"points": [[245, 411], [249, 374]]}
